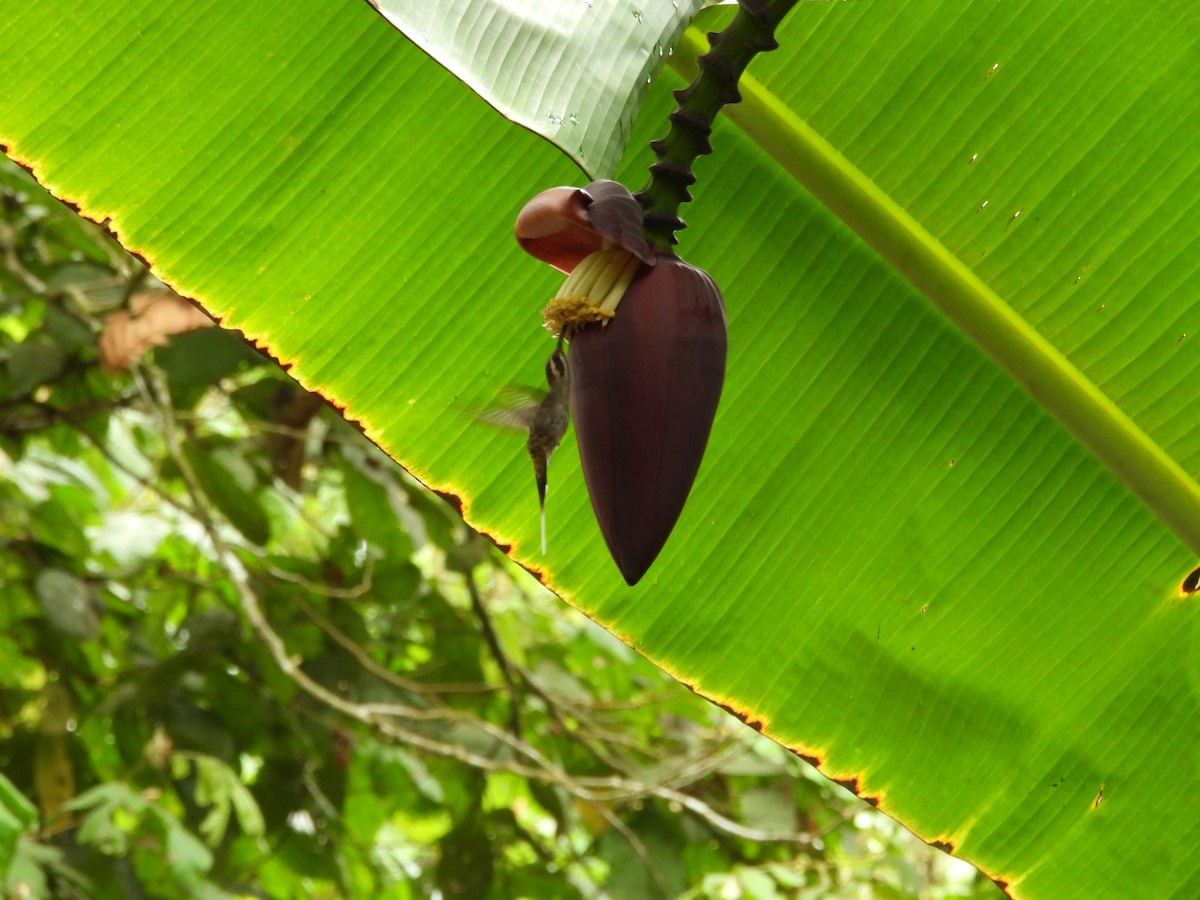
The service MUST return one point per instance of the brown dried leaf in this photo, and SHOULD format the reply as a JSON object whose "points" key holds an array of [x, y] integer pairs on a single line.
{"points": [[152, 318]]}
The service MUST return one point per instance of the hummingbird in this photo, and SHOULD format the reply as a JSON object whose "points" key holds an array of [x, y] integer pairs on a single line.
{"points": [[543, 414]]}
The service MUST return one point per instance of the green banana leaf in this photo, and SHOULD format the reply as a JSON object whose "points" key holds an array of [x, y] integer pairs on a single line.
{"points": [[894, 561]]}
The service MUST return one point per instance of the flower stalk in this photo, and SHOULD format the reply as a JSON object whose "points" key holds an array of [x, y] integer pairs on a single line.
{"points": [[751, 32]]}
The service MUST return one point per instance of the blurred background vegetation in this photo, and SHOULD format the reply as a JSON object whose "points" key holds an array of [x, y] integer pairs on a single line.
{"points": [[243, 654]]}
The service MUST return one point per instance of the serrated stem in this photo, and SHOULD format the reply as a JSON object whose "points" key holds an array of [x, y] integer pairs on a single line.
{"points": [[751, 32]]}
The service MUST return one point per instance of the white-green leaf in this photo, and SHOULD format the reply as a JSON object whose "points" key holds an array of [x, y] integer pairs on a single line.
{"points": [[573, 71]]}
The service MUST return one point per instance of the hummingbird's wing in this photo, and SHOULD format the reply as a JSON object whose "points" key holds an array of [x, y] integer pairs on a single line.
{"points": [[519, 396], [516, 419], [515, 407]]}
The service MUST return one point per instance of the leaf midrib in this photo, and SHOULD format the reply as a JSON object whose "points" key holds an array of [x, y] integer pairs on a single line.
{"points": [[1078, 404]]}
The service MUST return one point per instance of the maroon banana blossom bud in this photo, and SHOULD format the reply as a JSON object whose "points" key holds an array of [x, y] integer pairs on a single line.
{"points": [[645, 383]]}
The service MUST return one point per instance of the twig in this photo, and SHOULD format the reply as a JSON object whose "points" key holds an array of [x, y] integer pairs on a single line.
{"points": [[636, 843], [498, 654], [12, 262], [324, 590], [364, 659]]}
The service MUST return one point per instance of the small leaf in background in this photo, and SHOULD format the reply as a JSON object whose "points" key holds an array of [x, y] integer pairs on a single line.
{"points": [[630, 874], [17, 815], [758, 885], [38, 866], [196, 360], [239, 505], [18, 805], [372, 514], [769, 809], [102, 806], [70, 332], [68, 603], [129, 536], [245, 808], [53, 772], [186, 854], [61, 521], [467, 864], [220, 790], [33, 363]]}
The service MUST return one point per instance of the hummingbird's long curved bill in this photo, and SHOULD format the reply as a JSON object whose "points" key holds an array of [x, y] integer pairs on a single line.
{"points": [[540, 469], [543, 515]]}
